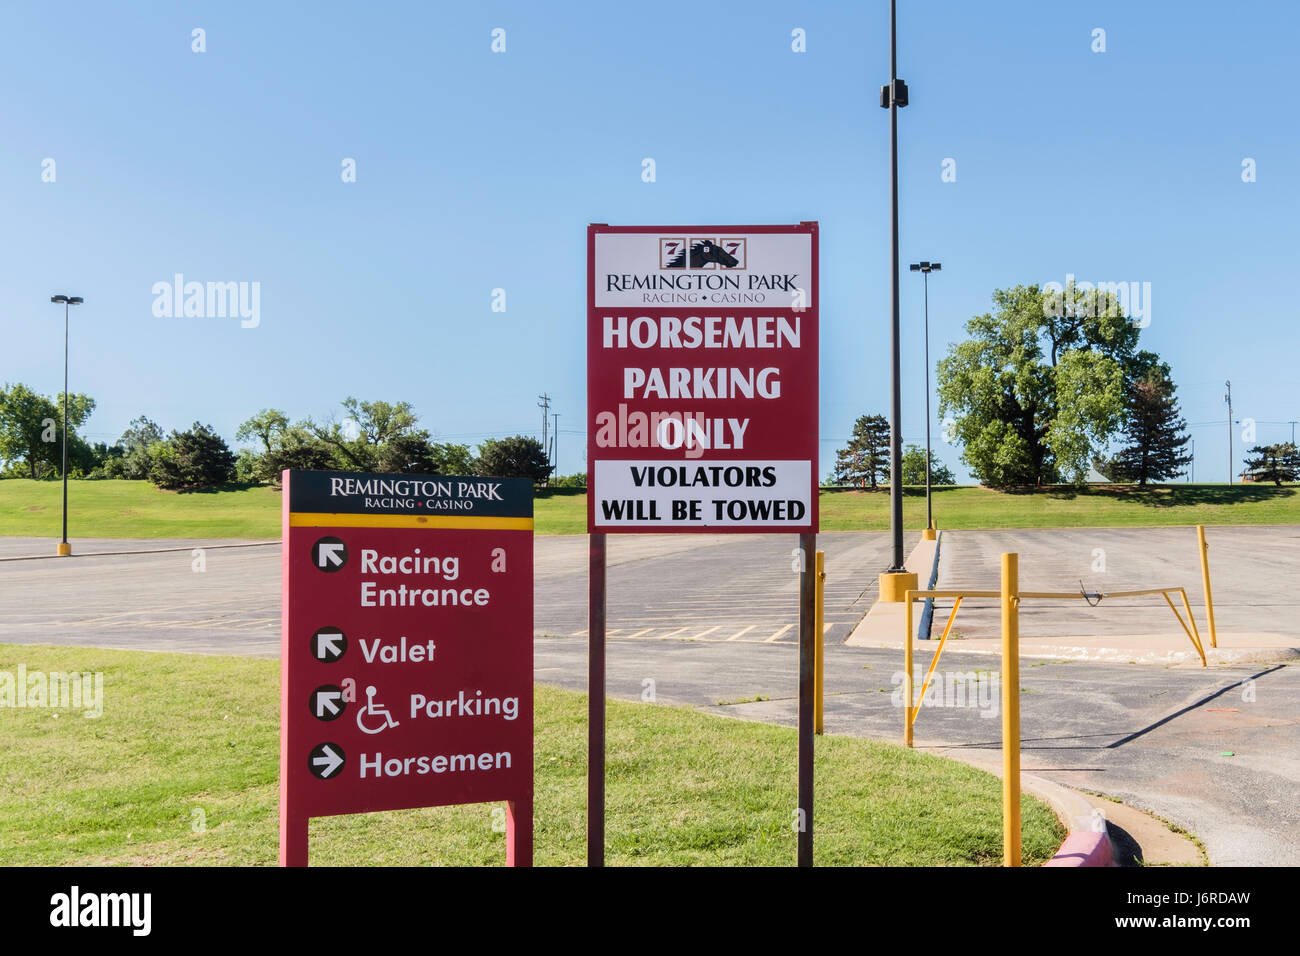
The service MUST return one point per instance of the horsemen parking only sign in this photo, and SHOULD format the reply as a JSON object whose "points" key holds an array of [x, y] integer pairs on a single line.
{"points": [[702, 378]]}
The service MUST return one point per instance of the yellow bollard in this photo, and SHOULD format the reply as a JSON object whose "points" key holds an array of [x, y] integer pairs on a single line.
{"points": [[819, 648], [1205, 580], [907, 667], [1010, 710]]}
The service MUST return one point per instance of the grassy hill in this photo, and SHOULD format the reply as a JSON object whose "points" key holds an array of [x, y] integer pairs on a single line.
{"points": [[136, 509]]}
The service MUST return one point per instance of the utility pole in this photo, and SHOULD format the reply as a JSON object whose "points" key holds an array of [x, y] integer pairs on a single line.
{"points": [[1292, 424], [1228, 398], [545, 406], [1191, 475]]}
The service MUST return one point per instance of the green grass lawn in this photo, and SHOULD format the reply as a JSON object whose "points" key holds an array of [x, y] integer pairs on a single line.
{"points": [[1106, 506], [182, 768], [136, 509]]}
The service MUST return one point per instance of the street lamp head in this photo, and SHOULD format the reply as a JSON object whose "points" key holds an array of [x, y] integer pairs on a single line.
{"points": [[61, 299], [915, 267], [936, 267], [67, 299], [75, 300]]}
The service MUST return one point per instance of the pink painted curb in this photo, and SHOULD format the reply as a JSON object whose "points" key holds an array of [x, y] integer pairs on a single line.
{"points": [[1084, 848]]}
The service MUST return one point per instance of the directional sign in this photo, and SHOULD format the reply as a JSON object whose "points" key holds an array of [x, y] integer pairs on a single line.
{"points": [[702, 378], [329, 554], [329, 644], [327, 702], [325, 760], [407, 648]]}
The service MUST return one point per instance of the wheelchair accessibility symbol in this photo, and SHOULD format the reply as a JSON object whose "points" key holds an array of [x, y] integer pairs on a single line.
{"points": [[373, 710]]}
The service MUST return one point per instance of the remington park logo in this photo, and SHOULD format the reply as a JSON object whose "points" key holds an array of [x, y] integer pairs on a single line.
{"points": [[208, 300], [699, 252]]}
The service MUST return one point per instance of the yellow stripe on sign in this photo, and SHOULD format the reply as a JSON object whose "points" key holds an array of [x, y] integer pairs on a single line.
{"points": [[302, 519]]}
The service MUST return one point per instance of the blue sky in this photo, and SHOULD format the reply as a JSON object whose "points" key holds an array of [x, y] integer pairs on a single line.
{"points": [[478, 171]]}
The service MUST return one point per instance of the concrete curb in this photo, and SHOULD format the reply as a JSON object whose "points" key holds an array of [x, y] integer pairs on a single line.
{"points": [[884, 620], [927, 610], [103, 554], [1084, 849], [1085, 844]]}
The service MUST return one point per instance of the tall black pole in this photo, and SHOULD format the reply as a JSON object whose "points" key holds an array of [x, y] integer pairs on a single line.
{"points": [[895, 400], [929, 513], [66, 306]]}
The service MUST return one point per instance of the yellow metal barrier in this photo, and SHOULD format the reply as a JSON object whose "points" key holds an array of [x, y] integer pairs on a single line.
{"points": [[914, 706], [1010, 597], [1010, 710], [819, 647], [1205, 582]]}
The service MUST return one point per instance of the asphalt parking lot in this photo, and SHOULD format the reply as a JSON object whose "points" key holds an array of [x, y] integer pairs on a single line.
{"points": [[1255, 578], [710, 619]]}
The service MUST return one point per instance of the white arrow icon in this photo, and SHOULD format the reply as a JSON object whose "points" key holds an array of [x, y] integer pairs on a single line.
{"points": [[327, 701], [326, 645], [330, 760], [330, 553]]}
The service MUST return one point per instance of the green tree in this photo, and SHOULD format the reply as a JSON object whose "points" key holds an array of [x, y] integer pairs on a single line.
{"points": [[283, 446], [865, 459], [515, 457], [1275, 463], [267, 426], [358, 440], [31, 429], [296, 449], [914, 468], [134, 461], [373, 436], [1154, 429], [1039, 386], [196, 458]]}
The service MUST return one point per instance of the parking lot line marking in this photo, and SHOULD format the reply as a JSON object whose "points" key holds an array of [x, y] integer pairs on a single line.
{"points": [[709, 631], [769, 640], [664, 637], [638, 633], [742, 631]]}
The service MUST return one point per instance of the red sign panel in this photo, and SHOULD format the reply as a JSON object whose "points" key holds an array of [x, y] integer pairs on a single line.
{"points": [[702, 378], [407, 648]]}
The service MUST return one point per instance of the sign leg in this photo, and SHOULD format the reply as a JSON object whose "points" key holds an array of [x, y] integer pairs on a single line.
{"points": [[519, 832], [293, 839], [807, 693], [596, 704]]}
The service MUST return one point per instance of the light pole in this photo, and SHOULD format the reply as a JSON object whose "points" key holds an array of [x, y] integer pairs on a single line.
{"points": [[64, 548], [895, 582], [925, 268]]}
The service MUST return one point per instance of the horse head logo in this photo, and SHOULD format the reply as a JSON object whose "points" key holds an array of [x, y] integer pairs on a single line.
{"points": [[704, 251]]}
